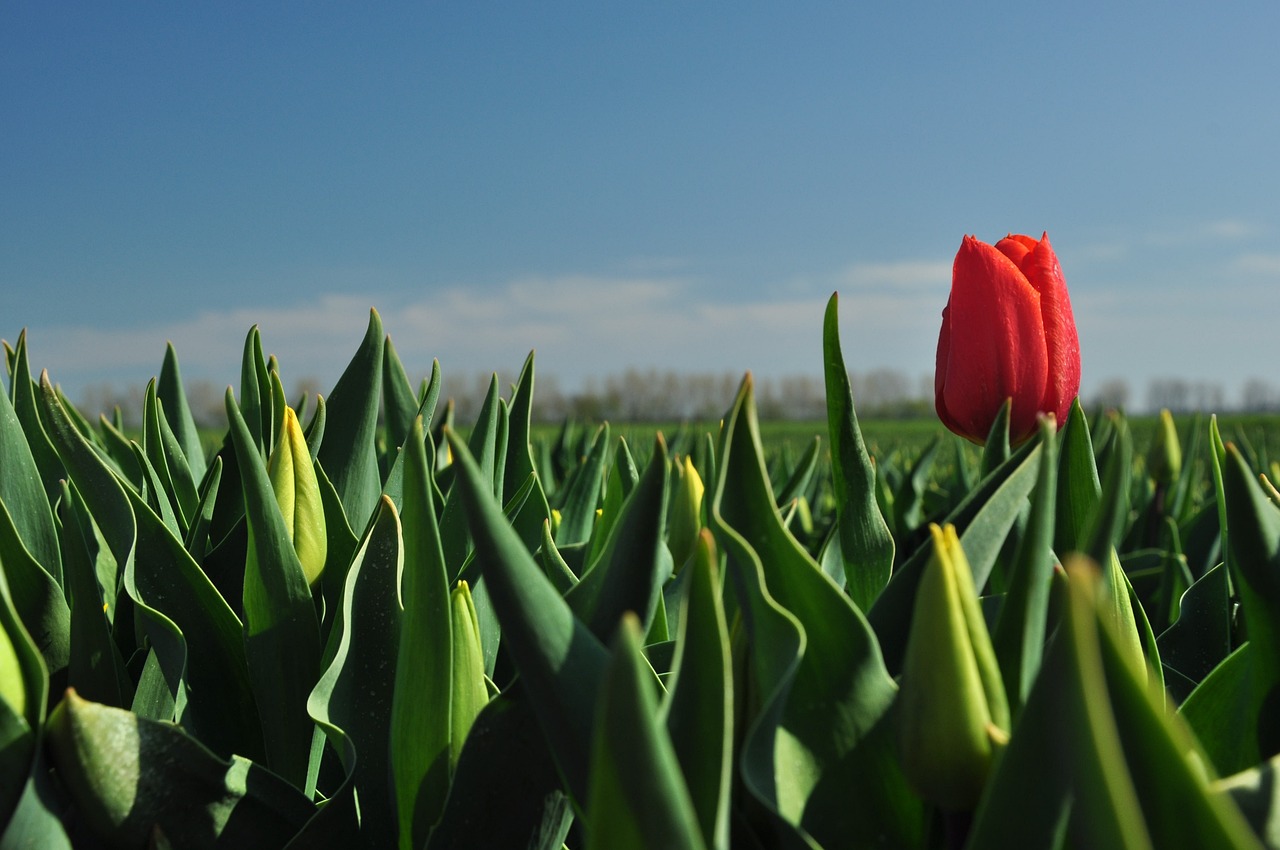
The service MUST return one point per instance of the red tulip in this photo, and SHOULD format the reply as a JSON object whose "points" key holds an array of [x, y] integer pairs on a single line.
{"points": [[1007, 333]]}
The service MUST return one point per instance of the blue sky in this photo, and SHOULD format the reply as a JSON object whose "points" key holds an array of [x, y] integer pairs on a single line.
{"points": [[665, 185]]}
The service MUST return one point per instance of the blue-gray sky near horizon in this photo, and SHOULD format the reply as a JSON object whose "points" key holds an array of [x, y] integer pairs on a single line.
{"points": [[678, 186]]}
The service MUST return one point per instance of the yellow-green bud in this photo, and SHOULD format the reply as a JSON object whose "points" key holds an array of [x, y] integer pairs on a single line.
{"points": [[953, 711], [686, 513], [293, 478], [1164, 461], [469, 691]]}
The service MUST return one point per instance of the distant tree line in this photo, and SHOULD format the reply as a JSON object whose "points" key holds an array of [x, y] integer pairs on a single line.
{"points": [[653, 395]]}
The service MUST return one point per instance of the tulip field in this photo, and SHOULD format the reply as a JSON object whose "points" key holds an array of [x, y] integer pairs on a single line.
{"points": [[350, 625]]}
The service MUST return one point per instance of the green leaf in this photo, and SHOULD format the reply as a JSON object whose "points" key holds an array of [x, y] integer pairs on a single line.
{"points": [[281, 635], [638, 798], [96, 668], [168, 460], [454, 538], [983, 518], [24, 686], [1106, 526], [1256, 792], [23, 398], [866, 545], [582, 496], [635, 563], [422, 752], [397, 396], [505, 766], [1079, 490], [38, 598], [177, 413], [1230, 709], [1020, 631], [37, 819], [22, 492], [349, 452], [356, 692], [196, 636], [699, 704], [1201, 636], [842, 782], [255, 391], [130, 776], [561, 663]]}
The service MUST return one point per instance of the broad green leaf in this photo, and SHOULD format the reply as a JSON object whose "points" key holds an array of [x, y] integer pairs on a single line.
{"points": [[997, 448], [420, 742], [1229, 710], [129, 777], [281, 635], [1256, 792], [801, 475], [255, 391], [638, 797], [398, 399], [22, 395], [983, 518], [1021, 629], [356, 692], [197, 539], [1201, 636], [24, 684], [1095, 737], [1079, 489], [866, 545], [349, 451], [177, 412], [23, 493], [618, 485], [556, 568], [635, 563], [96, 669], [196, 636], [1106, 526], [39, 600], [699, 704], [37, 819], [561, 663], [908, 501], [831, 726], [168, 461], [505, 766], [454, 537], [582, 496]]}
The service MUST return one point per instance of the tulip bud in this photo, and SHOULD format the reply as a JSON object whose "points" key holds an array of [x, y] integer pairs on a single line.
{"points": [[1164, 461], [1007, 333], [469, 691], [686, 513], [297, 490], [953, 711]]}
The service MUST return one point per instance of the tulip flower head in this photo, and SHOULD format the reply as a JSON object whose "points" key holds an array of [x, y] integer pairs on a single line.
{"points": [[1007, 334]]}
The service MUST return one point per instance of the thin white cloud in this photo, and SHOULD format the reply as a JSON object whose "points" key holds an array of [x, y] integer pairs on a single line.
{"points": [[907, 274], [1260, 264], [1217, 230], [580, 326]]}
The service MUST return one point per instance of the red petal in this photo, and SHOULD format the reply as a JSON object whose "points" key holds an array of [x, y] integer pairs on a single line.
{"points": [[995, 344], [1015, 246], [1062, 343]]}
